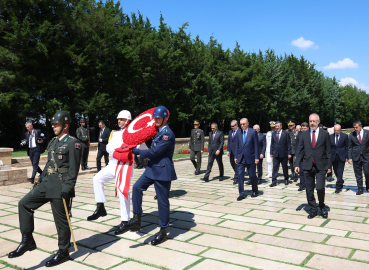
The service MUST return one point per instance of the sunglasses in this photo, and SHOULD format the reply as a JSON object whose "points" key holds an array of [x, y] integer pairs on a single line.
{"points": [[213, 128], [234, 126], [243, 124]]}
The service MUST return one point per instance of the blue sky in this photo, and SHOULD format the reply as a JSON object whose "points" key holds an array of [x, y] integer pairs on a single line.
{"points": [[332, 34]]}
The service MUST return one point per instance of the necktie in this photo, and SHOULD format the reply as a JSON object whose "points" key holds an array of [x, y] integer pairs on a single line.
{"points": [[359, 138], [233, 135], [30, 140], [336, 140], [101, 132], [313, 142], [244, 137], [278, 137], [213, 136]]}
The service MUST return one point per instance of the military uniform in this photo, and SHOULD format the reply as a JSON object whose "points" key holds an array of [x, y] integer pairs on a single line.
{"points": [[267, 150], [196, 146], [84, 138], [293, 135]]}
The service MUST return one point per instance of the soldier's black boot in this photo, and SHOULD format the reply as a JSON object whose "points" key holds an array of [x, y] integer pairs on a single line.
{"points": [[120, 228], [87, 168], [99, 212], [83, 168], [61, 256], [160, 237], [27, 244], [134, 224]]}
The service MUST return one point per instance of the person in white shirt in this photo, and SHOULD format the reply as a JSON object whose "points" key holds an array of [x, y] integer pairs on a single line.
{"points": [[107, 174], [269, 141]]}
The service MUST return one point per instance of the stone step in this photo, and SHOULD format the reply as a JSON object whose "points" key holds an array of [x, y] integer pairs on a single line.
{"points": [[13, 176]]}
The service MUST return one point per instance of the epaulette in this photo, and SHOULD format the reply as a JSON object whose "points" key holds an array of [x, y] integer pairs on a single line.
{"points": [[53, 139]]}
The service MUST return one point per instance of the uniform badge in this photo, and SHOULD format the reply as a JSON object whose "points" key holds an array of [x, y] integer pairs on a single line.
{"points": [[66, 139], [78, 145], [66, 118], [165, 137], [60, 157]]}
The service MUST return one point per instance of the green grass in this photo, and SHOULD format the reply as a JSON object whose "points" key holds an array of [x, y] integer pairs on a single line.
{"points": [[176, 155], [22, 152]]}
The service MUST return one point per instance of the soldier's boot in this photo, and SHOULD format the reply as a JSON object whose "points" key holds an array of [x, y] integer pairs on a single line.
{"points": [[160, 237], [27, 244], [120, 227], [367, 182], [194, 163], [134, 224], [61, 256], [83, 167], [99, 212], [87, 168]]}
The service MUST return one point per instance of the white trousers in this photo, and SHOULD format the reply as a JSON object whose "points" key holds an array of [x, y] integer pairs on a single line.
{"points": [[269, 164], [107, 174]]}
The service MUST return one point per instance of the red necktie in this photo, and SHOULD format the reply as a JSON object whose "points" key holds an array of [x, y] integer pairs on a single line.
{"points": [[313, 143]]}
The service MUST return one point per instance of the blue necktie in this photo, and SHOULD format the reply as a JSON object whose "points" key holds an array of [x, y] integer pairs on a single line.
{"points": [[278, 136], [233, 135], [336, 140], [244, 137]]}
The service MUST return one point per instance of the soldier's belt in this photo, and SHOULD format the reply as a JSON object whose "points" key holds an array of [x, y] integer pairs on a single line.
{"points": [[51, 170]]}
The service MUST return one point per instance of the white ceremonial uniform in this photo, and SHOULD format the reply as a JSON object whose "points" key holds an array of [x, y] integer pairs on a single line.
{"points": [[269, 159], [107, 174]]}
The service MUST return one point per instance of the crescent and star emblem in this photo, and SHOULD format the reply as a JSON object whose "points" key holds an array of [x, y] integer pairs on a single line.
{"points": [[131, 126]]}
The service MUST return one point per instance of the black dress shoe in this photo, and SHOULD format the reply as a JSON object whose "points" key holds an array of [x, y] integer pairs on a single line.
{"points": [[273, 184], [235, 182], [360, 191], [240, 198], [87, 168], [255, 194], [324, 212], [205, 179], [134, 224], [286, 182], [32, 180], [140, 166], [99, 212], [295, 179], [120, 228], [338, 190], [221, 178], [248, 182], [60, 257], [259, 182], [301, 188], [312, 215], [27, 244], [155, 197], [160, 237], [196, 173]]}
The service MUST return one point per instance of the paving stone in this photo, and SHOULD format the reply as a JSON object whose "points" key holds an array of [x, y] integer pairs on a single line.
{"points": [[200, 212], [176, 245], [255, 249], [258, 207], [225, 209], [173, 233], [7, 246], [361, 255], [197, 219], [246, 219], [256, 228], [301, 245], [330, 263], [150, 254], [300, 235], [348, 242], [324, 230], [349, 226], [211, 264], [94, 258], [330, 214], [92, 239], [12, 220], [92, 226], [4, 228], [184, 203], [6, 199], [131, 265], [285, 225], [362, 236], [45, 227]]}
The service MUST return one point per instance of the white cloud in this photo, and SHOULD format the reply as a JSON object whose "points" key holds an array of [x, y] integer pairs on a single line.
{"points": [[345, 63], [352, 81], [303, 44]]}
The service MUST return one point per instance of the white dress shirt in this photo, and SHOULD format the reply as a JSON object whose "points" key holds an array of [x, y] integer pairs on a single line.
{"points": [[361, 134], [32, 141], [316, 134]]}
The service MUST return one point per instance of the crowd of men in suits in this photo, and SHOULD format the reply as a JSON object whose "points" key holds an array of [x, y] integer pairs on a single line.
{"points": [[309, 149]]}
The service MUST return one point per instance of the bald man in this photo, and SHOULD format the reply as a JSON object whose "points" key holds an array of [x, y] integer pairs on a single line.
{"points": [[339, 143]]}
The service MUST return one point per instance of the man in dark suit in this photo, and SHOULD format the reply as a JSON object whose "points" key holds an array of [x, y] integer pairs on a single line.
{"points": [[358, 154], [231, 148], [215, 151], [315, 149], [304, 127], [247, 149], [339, 144], [101, 146], [35, 141], [262, 147], [280, 151]]}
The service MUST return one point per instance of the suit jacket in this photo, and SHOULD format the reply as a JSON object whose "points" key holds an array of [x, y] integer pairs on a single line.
{"points": [[283, 147], [262, 143], [297, 145], [322, 151], [160, 156], [38, 134], [231, 147], [355, 148], [249, 150], [217, 143], [342, 149], [105, 138]]}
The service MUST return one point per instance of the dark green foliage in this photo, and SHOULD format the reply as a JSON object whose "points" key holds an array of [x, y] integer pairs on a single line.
{"points": [[92, 59]]}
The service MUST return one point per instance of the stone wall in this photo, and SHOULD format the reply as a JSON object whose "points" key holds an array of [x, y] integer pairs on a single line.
{"points": [[6, 156]]}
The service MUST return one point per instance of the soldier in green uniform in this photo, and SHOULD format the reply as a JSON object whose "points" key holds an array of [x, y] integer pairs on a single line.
{"points": [[293, 135], [57, 181], [196, 146], [84, 138]]}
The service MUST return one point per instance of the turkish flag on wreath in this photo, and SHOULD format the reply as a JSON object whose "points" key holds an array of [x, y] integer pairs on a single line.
{"points": [[140, 130]]}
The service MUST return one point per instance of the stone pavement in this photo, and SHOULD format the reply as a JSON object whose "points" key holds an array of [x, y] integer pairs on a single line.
{"points": [[209, 228]]}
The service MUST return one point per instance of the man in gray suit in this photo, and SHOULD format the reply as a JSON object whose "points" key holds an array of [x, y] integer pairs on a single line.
{"points": [[215, 151], [358, 155]]}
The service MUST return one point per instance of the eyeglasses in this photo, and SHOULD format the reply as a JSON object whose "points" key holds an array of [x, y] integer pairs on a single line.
{"points": [[243, 124], [234, 126]]}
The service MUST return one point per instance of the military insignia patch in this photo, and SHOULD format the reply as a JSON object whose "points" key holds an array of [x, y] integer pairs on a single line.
{"points": [[66, 139], [78, 145], [165, 137], [66, 118], [60, 157]]}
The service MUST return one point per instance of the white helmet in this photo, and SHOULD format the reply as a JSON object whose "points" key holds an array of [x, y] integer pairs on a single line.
{"points": [[124, 114]]}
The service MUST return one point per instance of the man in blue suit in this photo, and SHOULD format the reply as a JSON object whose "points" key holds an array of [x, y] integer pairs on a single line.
{"points": [[231, 148], [262, 147], [339, 144], [159, 171], [247, 149], [280, 151]]}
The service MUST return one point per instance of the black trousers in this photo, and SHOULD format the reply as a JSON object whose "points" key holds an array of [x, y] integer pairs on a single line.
{"points": [[302, 175], [259, 166], [138, 163], [34, 156], [211, 159], [100, 154], [34, 200], [359, 166], [292, 164], [84, 154], [196, 164], [338, 168], [234, 166], [276, 162], [310, 186]]}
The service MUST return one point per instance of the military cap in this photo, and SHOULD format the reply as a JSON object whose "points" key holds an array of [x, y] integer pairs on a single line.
{"points": [[291, 122], [272, 123], [82, 120], [196, 122], [61, 117]]}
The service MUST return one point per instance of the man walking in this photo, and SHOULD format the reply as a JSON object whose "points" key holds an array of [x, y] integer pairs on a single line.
{"points": [[104, 135], [293, 135], [262, 147], [339, 144], [315, 149], [231, 148], [304, 127], [83, 137], [269, 142], [196, 146]]}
